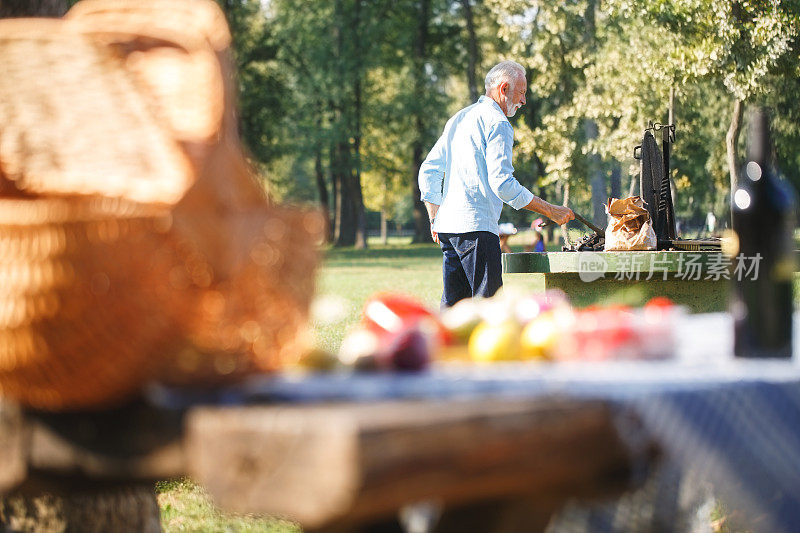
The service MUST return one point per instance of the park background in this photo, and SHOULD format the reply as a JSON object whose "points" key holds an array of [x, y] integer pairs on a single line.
{"points": [[340, 101]]}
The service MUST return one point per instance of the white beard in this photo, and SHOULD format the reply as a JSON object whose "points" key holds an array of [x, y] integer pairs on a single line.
{"points": [[511, 109]]}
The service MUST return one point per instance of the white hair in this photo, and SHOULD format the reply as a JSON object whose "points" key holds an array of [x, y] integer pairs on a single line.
{"points": [[508, 71]]}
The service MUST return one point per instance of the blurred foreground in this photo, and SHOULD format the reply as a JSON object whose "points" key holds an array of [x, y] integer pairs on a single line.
{"points": [[136, 242]]}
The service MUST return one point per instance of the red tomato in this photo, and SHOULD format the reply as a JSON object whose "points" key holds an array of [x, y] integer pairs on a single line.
{"points": [[393, 313]]}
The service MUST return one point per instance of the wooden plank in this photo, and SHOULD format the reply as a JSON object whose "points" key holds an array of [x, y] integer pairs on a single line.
{"points": [[687, 278], [285, 461], [133, 443], [697, 296], [323, 465], [671, 262]]}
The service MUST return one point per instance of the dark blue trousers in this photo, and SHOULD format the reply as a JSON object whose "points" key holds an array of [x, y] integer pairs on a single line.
{"points": [[471, 266]]}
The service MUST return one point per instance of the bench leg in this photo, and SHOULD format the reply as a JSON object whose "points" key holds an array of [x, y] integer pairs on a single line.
{"points": [[128, 509]]}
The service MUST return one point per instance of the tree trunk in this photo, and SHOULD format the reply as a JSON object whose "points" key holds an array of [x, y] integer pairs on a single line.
{"points": [[671, 121], [384, 229], [564, 237], [359, 215], [319, 174], [632, 188], [336, 221], [421, 224], [616, 179], [322, 190], [345, 231], [472, 49], [731, 142], [596, 178], [420, 215]]}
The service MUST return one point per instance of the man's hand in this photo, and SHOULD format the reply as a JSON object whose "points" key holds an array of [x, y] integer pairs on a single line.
{"points": [[557, 213], [561, 214], [432, 210]]}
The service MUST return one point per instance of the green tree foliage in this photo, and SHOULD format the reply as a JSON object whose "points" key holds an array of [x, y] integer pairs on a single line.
{"points": [[615, 62], [739, 41], [330, 51], [342, 99], [261, 88]]}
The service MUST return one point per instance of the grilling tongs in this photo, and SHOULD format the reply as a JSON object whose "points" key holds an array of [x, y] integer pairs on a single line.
{"points": [[586, 222]]}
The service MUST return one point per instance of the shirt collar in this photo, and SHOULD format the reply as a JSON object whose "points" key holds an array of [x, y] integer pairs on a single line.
{"points": [[485, 99]]}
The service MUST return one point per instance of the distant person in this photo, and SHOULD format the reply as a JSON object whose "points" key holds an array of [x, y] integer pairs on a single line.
{"points": [[466, 178], [537, 245], [506, 230], [711, 223]]}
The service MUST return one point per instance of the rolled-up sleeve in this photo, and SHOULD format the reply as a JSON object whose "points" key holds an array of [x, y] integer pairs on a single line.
{"points": [[431, 173], [500, 171]]}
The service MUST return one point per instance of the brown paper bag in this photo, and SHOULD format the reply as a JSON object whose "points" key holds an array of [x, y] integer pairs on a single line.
{"points": [[629, 225]]}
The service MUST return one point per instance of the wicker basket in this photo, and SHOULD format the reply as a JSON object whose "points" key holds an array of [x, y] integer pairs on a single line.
{"points": [[141, 247], [255, 317], [86, 306], [189, 40], [102, 296], [200, 18], [74, 122], [175, 65]]}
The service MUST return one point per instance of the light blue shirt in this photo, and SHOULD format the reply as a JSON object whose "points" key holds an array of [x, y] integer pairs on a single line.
{"points": [[468, 172]]}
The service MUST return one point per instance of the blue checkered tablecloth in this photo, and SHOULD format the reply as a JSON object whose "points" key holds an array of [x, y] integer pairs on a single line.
{"points": [[729, 428]]}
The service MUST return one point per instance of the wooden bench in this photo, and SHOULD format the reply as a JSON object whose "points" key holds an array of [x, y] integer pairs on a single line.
{"points": [[500, 465], [698, 280]]}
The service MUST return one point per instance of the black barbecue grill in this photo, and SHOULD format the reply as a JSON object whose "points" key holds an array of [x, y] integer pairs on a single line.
{"points": [[654, 179], [656, 190]]}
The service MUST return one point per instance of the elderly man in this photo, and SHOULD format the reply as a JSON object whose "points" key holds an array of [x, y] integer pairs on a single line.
{"points": [[466, 178]]}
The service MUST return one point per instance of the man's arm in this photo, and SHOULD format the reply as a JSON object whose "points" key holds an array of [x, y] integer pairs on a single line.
{"points": [[500, 171], [431, 173], [506, 186], [431, 177], [558, 213]]}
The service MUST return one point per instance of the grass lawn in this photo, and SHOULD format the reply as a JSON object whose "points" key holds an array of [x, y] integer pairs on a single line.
{"points": [[185, 506], [349, 277], [346, 279]]}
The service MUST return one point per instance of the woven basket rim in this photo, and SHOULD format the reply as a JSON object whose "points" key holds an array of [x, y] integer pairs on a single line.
{"points": [[203, 16], [118, 24], [108, 89], [42, 29], [50, 210], [116, 28]]}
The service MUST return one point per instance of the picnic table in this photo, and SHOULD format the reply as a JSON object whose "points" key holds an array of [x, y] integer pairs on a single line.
{"points": [[697, 279], [600, 446]]}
